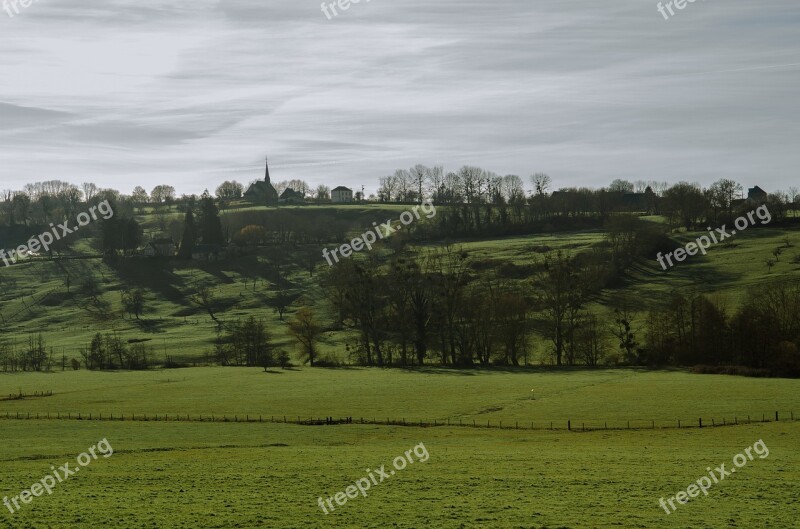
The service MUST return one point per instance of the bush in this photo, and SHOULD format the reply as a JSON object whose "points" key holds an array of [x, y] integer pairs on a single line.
{"points": [[326, 362]]}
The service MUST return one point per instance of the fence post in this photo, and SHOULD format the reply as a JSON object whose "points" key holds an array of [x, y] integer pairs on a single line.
{"points": [[776, 416], [654, 424], [679, 423], [569, 425], [700, 422]]}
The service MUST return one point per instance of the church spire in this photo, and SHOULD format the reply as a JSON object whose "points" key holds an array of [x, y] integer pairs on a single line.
{"points": [[266, 177]]}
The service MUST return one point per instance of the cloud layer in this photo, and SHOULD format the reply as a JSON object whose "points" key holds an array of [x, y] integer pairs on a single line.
{"points": [[195, 92]]}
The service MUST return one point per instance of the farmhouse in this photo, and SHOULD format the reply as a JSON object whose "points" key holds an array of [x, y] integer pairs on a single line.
{"points": [[756, 194], [159, 248], [341, 195], [207, 252], [290, 196]]}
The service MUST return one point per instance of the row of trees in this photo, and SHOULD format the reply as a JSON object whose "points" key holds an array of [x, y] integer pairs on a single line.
{"points": [[32, 355], [434, 308]]}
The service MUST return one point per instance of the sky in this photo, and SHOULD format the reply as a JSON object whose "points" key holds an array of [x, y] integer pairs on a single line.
{"points": [[194, 92]]}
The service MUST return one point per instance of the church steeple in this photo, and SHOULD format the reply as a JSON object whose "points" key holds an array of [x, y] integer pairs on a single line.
{"points": [[266, 177]]}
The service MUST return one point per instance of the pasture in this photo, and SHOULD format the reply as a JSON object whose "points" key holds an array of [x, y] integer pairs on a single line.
{"points": [[227, 474]]}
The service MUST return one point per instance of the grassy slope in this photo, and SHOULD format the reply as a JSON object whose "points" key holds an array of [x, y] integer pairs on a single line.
{"points": [[177, 327]]}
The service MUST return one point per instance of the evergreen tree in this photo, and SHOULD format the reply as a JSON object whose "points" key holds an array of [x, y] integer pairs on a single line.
{"points": [[188, 237], [210, 227]]}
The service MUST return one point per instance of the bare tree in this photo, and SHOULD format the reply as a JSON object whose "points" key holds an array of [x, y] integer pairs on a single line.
{"points": [[304, 328], [541, 183]]}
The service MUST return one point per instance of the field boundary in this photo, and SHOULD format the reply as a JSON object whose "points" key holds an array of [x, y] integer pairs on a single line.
{"points": [[561, 424]]}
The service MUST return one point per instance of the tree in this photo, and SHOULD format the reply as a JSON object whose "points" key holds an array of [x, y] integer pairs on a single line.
{"points": [[723, 193], [541, 184], [162, 194], [133, 302], [230, 190], [120, 233], [303, 327], [684, 204], [323, 193], [209, 224], [561, 296], [252, 342], [89, 191], [621, 186], [251, 235], [139, 196], [622, 329], [21, 204], [189, 236], [420, 176]]}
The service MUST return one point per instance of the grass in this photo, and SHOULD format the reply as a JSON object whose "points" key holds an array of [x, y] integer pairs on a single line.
{"points": [[586, 396], [236, 475]]}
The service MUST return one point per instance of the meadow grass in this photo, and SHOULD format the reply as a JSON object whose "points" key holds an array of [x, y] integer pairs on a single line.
{"points": [[271, 475], [582, 396]]}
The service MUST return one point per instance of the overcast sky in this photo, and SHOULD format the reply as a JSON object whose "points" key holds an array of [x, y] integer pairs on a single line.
{"points": [[194, 92]]}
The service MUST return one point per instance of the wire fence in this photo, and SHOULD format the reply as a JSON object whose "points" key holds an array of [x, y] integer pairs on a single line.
{"points": [[560, 424]]}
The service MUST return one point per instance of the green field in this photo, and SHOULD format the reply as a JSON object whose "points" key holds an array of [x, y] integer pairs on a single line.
{"points": [[589, 396], [191, 474]]}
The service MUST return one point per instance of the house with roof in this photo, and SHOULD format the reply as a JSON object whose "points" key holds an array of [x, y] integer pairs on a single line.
{"points": [[342, 195], [290, 196], [164, 247], [208, 252], [756, 194]]}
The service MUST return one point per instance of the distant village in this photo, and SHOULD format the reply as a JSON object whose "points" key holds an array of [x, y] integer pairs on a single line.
{"points": [[264, 193]]}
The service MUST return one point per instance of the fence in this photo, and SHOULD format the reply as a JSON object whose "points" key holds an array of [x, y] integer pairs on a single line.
{"points": [[562, 424]]}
